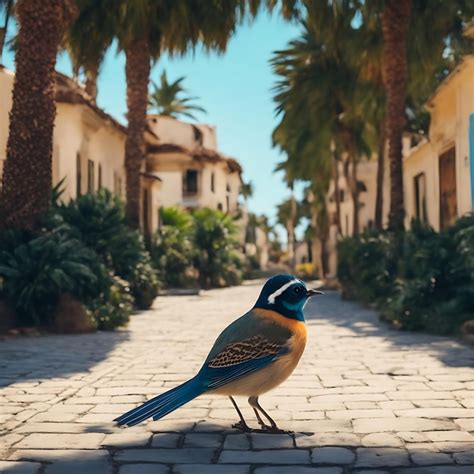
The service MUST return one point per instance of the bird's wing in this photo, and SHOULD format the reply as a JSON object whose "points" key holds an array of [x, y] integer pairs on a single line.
{"points": [[247, 345]]}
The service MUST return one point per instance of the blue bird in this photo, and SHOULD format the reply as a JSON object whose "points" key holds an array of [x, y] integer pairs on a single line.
{"points": [[253, 355]]}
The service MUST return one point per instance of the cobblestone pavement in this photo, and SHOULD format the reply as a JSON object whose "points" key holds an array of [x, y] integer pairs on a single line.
{"points": [[363, 399]]}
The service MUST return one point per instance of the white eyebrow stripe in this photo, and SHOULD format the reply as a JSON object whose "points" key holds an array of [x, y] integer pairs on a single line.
{"points": [[275, 294]]}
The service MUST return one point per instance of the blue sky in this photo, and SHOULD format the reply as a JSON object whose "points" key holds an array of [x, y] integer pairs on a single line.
{"points": [[234, 88]]}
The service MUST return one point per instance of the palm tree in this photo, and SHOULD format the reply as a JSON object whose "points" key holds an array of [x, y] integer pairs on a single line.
{"points": [[318, 101], [288, 218], [246, 190], [27, 174], [166, 101], [88, 39], [395, 24], [432, 29]]}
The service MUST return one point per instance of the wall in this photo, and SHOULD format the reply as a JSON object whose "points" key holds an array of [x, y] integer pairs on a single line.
{"points": [[450, 108], [77, 129]]}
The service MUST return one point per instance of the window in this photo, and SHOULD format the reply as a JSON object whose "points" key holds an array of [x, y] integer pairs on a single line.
{"points": [[447, 188], [227, 203], [198, 137], [341, 195], [90, 176], [78, 174], [190, 183], [419, 182], [117, 184], [99, 171], [213, 182], [219, 206]]}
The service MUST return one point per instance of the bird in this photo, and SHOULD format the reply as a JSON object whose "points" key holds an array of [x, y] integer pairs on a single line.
{"points": [[253, 355]]}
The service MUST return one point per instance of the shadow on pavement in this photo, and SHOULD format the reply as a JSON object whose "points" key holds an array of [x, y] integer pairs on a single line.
{"points": [[55, 356], [358, 321]]}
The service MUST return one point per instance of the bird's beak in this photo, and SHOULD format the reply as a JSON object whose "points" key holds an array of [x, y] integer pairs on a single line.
{"points": [[311, 293]]}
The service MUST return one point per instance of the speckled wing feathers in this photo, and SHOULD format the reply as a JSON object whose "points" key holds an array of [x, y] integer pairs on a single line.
{"points": [[252, 348]]}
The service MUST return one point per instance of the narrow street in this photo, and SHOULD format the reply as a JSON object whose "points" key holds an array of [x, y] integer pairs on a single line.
{"points": [[364, 398]]}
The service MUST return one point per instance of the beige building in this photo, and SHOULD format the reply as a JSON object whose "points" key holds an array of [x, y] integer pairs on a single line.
{"points": [[88, 146], [193, 172], [439, 171]]}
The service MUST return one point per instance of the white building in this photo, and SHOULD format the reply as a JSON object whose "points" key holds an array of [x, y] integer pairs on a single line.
{"points": [[193, 172]]}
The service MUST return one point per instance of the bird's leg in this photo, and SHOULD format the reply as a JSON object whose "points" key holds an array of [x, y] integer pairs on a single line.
{"points": [[273, 428], [242, 424]]}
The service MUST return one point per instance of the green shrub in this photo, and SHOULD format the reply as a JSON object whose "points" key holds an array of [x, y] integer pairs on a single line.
{"points": [[215, 240], [143, 284], [98, 220], [366, 266], [172, 249], [35, 273], [427, 277], [114, 307]]}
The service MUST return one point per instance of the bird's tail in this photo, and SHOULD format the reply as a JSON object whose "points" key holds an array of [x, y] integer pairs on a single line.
{"points": [[163, 404]]}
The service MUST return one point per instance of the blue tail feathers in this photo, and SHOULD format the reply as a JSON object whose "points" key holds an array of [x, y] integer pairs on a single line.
{"points": [[163, 404]]}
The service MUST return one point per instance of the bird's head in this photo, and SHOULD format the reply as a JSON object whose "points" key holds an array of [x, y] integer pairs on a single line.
{"points": [[286, 295]]}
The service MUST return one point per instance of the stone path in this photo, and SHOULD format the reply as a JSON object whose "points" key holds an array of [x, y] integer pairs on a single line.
{"points": [[364, 398]]}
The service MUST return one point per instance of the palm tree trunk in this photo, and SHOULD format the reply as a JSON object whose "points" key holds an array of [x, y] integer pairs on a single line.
{"points": [[354, 185], [337, 193], [380, 179], [395, 24], [292, 244], [137, 72], [27, 175], [91, 81]]}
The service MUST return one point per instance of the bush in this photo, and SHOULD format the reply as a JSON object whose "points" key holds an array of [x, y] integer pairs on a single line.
{"points": [[35, 273], [98, 220], [114, 307], [366, 266], [172, 250], [215, 240], [421, 280]]}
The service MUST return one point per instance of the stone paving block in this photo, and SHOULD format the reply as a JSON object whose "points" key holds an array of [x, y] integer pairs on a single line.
{"points": [[435, 413], [381, 439], [436, 470], [371, 471], [424, 458], [332, 455], [271, 441], [467, 424], [237, 441], [298, 470], [412, 436], [369, 425], [165, 440], [65, 441], [381, 457], [288, 456], [353, 414], [464, 457], [326, 439], [166, 456], [454, 446], [210, 469], [125, 440], [449, 436], [202, 440], [14, 467], [145, 469]]}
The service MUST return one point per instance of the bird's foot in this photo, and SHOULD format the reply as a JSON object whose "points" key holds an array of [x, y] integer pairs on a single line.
{"points": [[274, 430], [242, 427]]}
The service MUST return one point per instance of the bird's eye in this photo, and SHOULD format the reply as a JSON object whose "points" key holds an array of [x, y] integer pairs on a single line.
{"points": [[298, 290]]}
